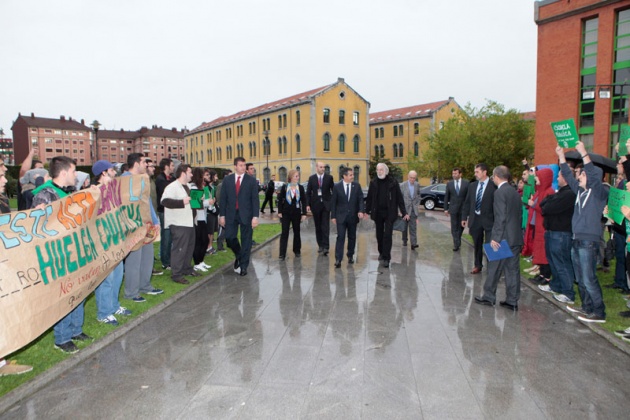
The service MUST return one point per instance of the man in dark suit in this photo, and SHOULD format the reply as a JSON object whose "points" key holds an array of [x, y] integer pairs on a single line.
{"points": [[507, 226], [271, 189], [238, 208], [346, 209], [318, 195], [477, 213], [456, 193]]}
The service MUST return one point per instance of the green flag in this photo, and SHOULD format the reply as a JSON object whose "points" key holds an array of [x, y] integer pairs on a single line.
{"points": [[616, 199]]}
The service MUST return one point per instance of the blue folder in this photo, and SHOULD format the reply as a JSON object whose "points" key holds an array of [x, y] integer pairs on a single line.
{"points": [[503, 252]]}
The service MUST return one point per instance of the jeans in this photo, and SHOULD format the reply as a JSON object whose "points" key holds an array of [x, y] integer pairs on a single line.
{"points": [[558, 250], [165, 243], [584, 256], [70, 326], [107, 293], [620, 260]]}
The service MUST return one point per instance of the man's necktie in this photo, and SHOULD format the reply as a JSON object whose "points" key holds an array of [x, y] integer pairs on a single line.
{"points": [[457, 187], [238, 188], [478, 200], [348, 192], [319, 180]]}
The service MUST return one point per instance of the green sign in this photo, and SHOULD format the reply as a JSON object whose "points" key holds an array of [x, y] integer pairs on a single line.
{"points": [[196, 199], [565, 133], [623, 139], [529, 189], [616, 199]]}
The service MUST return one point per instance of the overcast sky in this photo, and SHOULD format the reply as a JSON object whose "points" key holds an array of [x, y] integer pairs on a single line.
{"points": [[178, 63]]}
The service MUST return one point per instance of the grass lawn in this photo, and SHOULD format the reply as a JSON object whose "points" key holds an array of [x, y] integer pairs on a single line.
{"points": [[42, 355]]}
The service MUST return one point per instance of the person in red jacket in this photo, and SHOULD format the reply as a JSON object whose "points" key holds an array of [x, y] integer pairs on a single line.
{"points": [[544, 179]]}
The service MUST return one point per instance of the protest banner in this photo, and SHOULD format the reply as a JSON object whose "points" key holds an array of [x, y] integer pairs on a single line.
{"points": [[616, 199], [565, 132], [529, 189], [52, 258]]}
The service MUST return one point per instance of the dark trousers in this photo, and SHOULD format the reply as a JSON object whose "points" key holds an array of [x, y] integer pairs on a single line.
{"points": [[456, 229], [511, 267], [479, 237], [321, 217], [620, 260], [342, 228], [268, 199], [290, 219], [183, 238], [165, 243], [558, 250], [241, 250], [201, 242], [384, 233]]}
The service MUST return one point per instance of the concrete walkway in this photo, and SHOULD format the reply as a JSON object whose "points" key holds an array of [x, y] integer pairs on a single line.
{"points": [[301, 339]]}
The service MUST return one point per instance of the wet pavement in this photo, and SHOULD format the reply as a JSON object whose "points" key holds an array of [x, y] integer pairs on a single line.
{"points": [[301, 339]]}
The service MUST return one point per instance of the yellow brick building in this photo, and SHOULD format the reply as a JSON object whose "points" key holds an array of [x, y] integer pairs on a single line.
{"points": [[328, 124], [397, 134]]}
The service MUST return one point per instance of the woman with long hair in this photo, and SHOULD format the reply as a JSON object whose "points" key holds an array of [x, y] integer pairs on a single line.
{"points": [[201, 230], [291, 211]]}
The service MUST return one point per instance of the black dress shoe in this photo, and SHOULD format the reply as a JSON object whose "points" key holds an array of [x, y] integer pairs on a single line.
{"points": [[243, 273], [414, 247], [456, 249], [236, 265], [282, 257], [508, 305], [386, 263], [483, 301], [350, 260], [337, 264], [325, 253], [297, 255], [380, 257], [405, 243], [320, 250], [624, 314]]}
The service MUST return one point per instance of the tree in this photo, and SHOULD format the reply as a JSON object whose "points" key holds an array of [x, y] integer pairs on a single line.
{"points": [[394, 170], [489, 134]]}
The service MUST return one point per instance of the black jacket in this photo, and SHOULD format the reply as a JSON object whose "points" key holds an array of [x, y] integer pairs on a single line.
{"points": [[285, 208], [395, 200], [557, 210], [160, 183]]}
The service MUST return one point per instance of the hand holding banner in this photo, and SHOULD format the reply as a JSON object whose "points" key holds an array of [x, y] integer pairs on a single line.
{"points": [[565, 133]]}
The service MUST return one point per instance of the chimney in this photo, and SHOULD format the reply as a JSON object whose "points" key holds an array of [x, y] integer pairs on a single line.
{"points": [[69, 118], [82, 121], [32, 115], [62, 118]]}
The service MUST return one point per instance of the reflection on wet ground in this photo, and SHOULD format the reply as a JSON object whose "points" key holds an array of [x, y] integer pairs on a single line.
{"points": [[299, 338]]}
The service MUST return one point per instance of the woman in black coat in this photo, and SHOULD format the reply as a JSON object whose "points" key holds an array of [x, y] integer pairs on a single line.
{"points": [[292, 211]]}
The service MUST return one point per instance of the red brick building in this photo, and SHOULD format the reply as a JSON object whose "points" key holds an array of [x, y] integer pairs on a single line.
{"points": [[53, 137], [583, 62], [155, 142], [6, 149]]}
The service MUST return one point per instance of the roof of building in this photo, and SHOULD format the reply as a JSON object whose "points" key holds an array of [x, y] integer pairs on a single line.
{"points": [[415, 111], [117, 134], [156, 131], [57, 123], [263, 109]]}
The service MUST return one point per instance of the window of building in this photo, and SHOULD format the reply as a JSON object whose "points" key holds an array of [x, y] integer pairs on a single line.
{"points": [[357, 172], [279, 145], [395, 131], [587, 73], [621, 74], [254, 148], [342, 143], [441, 125], [376, 153], [284, 143], [381, 131], [326, 116], [355, 118], [416, 149], [298, 146], [282, 173], [355, 143], [400, 150], [375, 132], [395, 150], [284, 120], [297, 117], [327, 169], [342, 116], [279, 121], [400, 130], [382, 150], [326, 142], [250, 149], [416, 128]]}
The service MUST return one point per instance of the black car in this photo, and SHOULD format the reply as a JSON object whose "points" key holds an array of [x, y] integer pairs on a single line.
{"points": [[433, 196]]}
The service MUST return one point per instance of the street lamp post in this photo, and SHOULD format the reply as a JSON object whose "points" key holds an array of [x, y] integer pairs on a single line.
{"points": [[266, 146], [94, 149]]}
